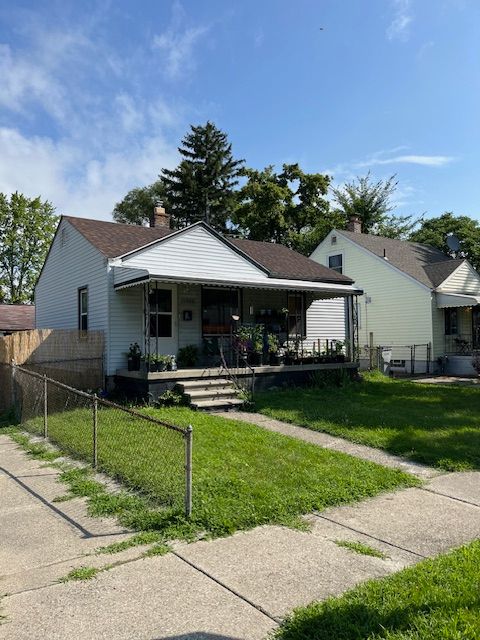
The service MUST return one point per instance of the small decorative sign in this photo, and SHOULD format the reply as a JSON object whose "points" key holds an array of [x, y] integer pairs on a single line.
{"points": [[187, 315]]}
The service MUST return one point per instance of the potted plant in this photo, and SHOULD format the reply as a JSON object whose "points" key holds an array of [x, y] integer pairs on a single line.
{"points": [[133, 357], [187, 356], [273, 348], [257, 345], [243, 340]]}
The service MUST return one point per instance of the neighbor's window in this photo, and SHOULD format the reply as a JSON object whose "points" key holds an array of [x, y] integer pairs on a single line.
{"points": [[336, 262], [160, 313], [83, 309], [296, 314], [451, 322]]}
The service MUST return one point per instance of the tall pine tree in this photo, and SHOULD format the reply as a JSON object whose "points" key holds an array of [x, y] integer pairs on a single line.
{"points": [[202, 186]]}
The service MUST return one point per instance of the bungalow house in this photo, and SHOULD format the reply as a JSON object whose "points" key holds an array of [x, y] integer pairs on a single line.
{"points": [[413, 295], [16, 317], [168, 289]]}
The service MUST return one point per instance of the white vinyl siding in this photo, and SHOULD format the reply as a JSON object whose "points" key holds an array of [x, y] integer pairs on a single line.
{"points": [[326, 320], [126, 325], [400, 312], [195, 253], [463, 280], [190, 331], [73, 263]]}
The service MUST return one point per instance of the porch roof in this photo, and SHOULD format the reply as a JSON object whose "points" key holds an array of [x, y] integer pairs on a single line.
{"points": [[445, 300], [124, 277]]}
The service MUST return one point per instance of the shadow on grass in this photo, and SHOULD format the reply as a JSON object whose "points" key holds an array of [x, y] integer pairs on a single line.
{"points": [[356, 621], [426, 423]]}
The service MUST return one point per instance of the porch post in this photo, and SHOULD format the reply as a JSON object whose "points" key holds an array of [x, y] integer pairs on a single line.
{"points": [[146, 323]]}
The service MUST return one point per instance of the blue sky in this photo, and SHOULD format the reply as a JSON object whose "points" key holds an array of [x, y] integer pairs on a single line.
{"points": [[96, 95]]}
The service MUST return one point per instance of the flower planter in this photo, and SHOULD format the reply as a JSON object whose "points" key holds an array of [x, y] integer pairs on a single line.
{"points": [[255, 359], [133, 363]]}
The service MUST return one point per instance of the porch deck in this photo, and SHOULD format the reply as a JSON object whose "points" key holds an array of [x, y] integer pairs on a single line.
{"points": [[213, 372], [143, 384]]}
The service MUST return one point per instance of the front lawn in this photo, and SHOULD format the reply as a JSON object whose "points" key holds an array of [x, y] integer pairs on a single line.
{"points": [[243, 475], [437, 599], [434, 424]]}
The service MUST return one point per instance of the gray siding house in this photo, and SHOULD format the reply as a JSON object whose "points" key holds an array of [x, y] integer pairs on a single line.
{"points": [[165, 289]]}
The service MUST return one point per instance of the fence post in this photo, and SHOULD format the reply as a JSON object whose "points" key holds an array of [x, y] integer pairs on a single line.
{"points": [[95, 426], [45, 406], [188, 471], [13, 392]]}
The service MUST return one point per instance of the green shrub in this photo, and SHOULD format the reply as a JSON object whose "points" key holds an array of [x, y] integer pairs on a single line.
{"points": [[187, 356]]}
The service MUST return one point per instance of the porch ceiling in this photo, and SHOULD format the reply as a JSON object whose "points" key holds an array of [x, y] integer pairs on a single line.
{"points": [[445, 300], [128, 277]]}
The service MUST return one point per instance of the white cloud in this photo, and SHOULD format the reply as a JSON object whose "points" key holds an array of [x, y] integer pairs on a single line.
{"points": [[399, 28], [103, 141], [177, 44], [423, 160], [75, 181]]}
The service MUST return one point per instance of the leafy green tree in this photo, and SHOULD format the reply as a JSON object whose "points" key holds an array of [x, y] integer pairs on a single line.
{"points": [[372, 203], [288, 207], [202, 187], [435, 231], [369, 201], [27, 227], [137, 205]]}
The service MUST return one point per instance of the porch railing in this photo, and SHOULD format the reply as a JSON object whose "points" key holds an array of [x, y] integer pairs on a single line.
{"points": [[461, 344]]}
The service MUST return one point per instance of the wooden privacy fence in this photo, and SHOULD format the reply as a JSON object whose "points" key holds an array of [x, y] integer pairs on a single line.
{"points": [[67, 355]]}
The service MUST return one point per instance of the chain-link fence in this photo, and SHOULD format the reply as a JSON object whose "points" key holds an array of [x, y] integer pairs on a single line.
{"points": [[143, 453], [411, 359]]}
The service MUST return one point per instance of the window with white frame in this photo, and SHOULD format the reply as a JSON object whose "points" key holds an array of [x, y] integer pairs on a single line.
{"points": [[335, 262], [160, 313], [83, 309]]}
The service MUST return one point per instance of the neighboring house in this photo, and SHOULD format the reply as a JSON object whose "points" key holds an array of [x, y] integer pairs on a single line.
{"points": [[166, 289], [413, 295], [16, 317]]}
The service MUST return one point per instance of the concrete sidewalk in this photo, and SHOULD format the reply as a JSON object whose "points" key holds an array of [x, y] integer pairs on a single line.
{"points": [[230, 588]]}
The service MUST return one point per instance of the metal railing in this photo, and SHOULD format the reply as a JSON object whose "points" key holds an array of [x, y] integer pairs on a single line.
{"points": [[145, 454], [461, 344]]}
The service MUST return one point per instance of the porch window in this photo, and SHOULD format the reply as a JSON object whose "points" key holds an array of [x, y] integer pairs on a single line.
{"points": [[218, 306], [83, 309], [296, 314], [160, 301], [336, 263], [451, 321]]}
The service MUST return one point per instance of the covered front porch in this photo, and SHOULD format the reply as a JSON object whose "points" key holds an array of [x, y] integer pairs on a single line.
{"points": [[191, 329], [460, 332], [461, 319]]}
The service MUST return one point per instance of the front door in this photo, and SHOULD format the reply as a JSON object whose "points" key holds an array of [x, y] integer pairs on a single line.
{"points": [[162, 322], [476, 327], [219, 305]]}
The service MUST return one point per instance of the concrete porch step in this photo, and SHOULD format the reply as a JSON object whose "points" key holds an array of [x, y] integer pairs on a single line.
{"points": [[202, 383], [221, 392], [217, 405]]}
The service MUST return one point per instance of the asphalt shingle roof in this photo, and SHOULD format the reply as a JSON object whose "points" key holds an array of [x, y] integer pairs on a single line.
{"points": [[17, 317], [425, 263], [113, 239]]}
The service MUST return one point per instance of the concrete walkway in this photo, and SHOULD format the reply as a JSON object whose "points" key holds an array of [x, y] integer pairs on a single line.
{"points": [[230, 588], [335, 443]]}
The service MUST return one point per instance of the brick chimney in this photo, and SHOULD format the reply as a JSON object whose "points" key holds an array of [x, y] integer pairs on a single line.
{"points": [[159, 217], [354, 224]]}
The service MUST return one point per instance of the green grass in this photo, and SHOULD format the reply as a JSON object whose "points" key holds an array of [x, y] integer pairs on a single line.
{"points": [[243, 476], [433, 424], [437, 599], [81, 573], [359, 547]]}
